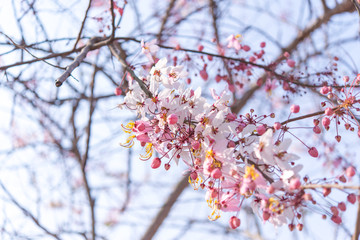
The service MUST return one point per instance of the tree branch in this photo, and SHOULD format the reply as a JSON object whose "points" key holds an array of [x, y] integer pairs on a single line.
{"points": [[165, 209]]}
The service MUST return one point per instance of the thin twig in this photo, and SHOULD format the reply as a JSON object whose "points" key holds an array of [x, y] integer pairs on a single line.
{"points": [[357, 224], [165, 209], [28, 214], [70, 68], [165, 19], [115, 49], [82, 25]]}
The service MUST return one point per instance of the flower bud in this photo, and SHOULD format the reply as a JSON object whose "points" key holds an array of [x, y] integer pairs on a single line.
{"points": [[313, 152], [342, 206], [234, 222], [350, 171], [172, 119], [294, 184], [216, 173], [290, 63], [295, 108], [351, 198], [325, 121], [317, 130], [336, 219], [156, 163], [266, 215], [277, 126], [261, 129], [329, 111], [193, 175], [118, 91]]}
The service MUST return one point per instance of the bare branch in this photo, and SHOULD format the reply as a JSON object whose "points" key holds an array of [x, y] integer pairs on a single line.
{"points": [[77, 61], [115, 49], [164, 212]]}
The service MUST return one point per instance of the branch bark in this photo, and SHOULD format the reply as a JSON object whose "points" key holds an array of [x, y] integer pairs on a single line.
{"points": [[165, 209]]}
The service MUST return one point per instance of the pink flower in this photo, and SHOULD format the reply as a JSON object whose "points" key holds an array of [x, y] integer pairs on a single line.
{"points": [[234, 41], [294, 184], [149, 48]]}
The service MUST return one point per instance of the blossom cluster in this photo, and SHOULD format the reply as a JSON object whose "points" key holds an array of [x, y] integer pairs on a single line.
{"points": [[234, 158]]}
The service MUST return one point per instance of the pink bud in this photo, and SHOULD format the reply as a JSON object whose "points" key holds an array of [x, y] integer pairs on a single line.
{"points": [[167, 166], [286, 54], [231, 144], [204, 75], [342, 179], [261, 129], [334, 210], [200, 48], [266, 215], [324, 90], [277, 126], [295, 108], [270, 189], [338, 138], [216, 173], [172, 119], [326, 191], [262, 44], [195, 145], [291, 227], [290, 63], [351, 198], [313, 152], [156, 163], [317, 130], [342, 206], [325, 121], [234, 222], [346, 79], [336, 219], [350, 171], [246, 48], [213, 193], [118, 91], [252, 59], [294, 184], [329, 111], [299, 226], [193, 175]]}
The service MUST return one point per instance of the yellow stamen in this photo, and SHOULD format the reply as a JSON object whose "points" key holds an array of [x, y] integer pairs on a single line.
{"points": [[149, 152], [129, 142], [250, 172], [129, 127], [238, 36], [196, 183], [275, 206], [216, 212]]}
